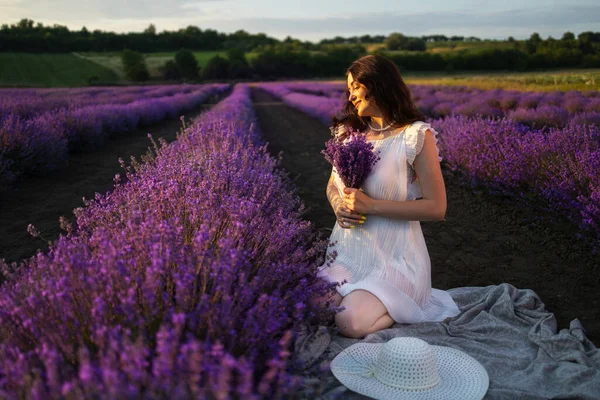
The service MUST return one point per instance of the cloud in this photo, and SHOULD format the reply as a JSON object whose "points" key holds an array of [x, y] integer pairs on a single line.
{"points": [[197, 4], [230, 16], [68, 10], [516, 22], [419, 23]]}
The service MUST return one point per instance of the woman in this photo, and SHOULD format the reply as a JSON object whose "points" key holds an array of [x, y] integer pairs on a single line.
{"points": [[380, 247]]}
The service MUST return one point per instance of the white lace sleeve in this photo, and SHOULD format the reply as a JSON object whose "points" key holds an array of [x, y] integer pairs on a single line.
{"points": [[415, 137]]}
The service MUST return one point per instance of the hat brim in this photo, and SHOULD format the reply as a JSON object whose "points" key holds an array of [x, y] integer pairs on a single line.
{"points": [[461, 376]]}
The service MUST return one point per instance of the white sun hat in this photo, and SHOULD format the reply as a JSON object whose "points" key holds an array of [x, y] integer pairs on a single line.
{"points": [[410, 368]]}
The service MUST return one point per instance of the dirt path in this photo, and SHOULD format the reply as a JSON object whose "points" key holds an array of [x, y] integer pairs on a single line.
{"points": [[485, 240], [42, 200]]}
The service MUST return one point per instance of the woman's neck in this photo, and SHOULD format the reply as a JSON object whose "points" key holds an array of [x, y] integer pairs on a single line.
{"points": [[378, 122]]}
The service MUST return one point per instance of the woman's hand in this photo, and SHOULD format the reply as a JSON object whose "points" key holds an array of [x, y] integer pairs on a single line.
{"points": [[347, 218], [340, 132], [355, 200]]}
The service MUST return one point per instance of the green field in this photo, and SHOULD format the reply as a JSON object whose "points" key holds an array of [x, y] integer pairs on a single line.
{"points": [[584, 79], [563, 80], [154, 61], [51, 70], [443, 47]]}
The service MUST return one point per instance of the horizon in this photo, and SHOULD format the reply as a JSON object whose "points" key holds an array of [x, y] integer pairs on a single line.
{"points": [[479, 18]]}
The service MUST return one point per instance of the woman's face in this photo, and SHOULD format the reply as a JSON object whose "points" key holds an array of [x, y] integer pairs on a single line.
{"points": [[358, 91]]}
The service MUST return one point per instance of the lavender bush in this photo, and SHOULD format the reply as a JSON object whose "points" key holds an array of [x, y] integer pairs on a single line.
{"points": [[185, 281], [543, 116], [559, 165]]}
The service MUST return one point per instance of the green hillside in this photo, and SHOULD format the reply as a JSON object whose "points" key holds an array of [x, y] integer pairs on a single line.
{"points": [[51, 70], [154, 61]]}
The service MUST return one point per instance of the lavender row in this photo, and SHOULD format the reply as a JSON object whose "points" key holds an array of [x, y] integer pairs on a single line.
{"points": [[557, 164], [28, 103], [184, 282], [42, 144], [534, 109], [320, 107], [327, 89]]}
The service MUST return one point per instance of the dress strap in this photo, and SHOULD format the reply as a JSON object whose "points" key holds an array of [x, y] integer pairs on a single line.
{"points": [[415, 137]]}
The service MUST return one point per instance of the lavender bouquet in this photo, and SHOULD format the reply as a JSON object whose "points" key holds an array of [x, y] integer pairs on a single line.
{"points": [[351, 155]]}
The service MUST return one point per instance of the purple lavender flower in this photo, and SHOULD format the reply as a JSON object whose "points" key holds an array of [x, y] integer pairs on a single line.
{"points": [[353, 158], [160, 291]]}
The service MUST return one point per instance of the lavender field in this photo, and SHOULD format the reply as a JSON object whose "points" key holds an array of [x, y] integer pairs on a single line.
{"points": [[40, 127], [130, 303], [190, 278]]}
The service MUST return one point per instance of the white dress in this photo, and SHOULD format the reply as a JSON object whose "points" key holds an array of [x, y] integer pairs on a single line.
{"points": [[388, 257]]}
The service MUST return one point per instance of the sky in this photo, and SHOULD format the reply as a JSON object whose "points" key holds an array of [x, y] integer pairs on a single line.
{"points": [[314, 20]]}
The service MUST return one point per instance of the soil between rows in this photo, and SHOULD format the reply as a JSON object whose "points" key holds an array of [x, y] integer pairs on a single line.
{"points": [[484, 240]]}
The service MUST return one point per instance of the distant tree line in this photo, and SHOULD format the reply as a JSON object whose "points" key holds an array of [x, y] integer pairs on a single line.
{"points": [[493, 59], [534, 53], [288, 61], [28, 36], [366, 39], [282, 61]]}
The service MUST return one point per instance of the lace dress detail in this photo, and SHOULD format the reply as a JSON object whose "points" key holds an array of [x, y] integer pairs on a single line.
{"points": [[388, 257], [414, 145]]}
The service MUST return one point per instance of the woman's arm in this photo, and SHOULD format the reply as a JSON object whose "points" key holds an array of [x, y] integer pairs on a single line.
{"points": [[346, 218], [432, 207], [332, 193]]}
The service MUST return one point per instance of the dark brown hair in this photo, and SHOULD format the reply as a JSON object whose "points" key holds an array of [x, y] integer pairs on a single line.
{"points": [[382, 79]]}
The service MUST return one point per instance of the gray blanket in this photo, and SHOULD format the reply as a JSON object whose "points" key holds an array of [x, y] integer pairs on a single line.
{"points": [[506, 329]]}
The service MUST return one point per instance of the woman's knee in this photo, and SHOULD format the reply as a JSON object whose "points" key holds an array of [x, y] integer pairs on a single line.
{"points": [[350, 324]]}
